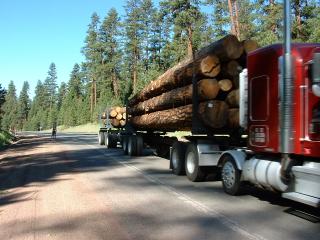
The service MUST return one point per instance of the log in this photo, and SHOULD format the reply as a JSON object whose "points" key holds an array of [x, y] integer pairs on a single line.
{"points": [[115, 122], [233, 99], [207, 89], [233, 118], [119, 116], [213, 114], [113, 113], [225, 49], [250, 45], [118, 109], [225, 85], [122, 123], [208, 66], [176, 119], [124, 115], [104, 115]]}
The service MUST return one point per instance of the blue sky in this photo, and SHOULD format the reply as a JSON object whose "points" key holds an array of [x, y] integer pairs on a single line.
{"points": [[35, 33]]}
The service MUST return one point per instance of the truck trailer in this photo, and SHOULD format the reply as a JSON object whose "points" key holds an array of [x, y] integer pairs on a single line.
{"points": [[277, 145]]}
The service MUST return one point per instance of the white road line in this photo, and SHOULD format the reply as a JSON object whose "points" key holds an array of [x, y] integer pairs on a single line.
{"points": [[187, 200]]}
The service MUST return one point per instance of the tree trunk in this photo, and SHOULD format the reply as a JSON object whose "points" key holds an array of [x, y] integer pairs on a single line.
{"points": [[213, 114], [225, 49], [207, 89]]}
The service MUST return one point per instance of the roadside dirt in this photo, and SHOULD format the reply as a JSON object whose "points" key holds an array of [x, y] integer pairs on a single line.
{"points": [[42, 198]]}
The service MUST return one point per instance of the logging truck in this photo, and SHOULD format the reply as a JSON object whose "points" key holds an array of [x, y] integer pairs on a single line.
{"points": [[262, 126]]}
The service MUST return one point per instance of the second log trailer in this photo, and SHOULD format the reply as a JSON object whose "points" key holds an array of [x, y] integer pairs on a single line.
{"points": [[279, 111]]}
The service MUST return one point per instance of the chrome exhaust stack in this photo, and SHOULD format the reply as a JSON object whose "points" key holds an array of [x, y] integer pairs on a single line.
{"points": [[286, 96]]}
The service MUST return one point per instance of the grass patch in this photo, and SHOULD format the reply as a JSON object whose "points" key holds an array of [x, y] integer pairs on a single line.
{"points": [[5, 138], [86, 128]]}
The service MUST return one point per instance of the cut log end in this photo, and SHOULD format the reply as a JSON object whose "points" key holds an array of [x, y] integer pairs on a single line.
{"points": [[210, 66], [225, 85]]}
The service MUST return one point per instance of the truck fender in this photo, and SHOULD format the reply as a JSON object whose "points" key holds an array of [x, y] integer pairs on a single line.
{"points": [[238, 156]]}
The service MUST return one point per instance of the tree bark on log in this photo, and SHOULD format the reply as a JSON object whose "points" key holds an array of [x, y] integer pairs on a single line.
{"points": [[225, 49], [250, 45], [233, 118], [213, 114], [207, 89]]}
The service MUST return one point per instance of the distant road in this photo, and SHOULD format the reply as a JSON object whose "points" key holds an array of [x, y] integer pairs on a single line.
{"points": [[72, 188]]}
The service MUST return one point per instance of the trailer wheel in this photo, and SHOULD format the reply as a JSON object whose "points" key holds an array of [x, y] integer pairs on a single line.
{"points": [[125, 144], [132, 145], [110, 140], [230, 175], [139, 145], [101, 138], [194, 172], [177, 158]]}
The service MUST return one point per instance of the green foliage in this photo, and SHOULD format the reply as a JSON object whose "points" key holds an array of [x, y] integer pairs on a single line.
{"points": [[5, 138], [10, 109], [23, 105], [3, 93]]}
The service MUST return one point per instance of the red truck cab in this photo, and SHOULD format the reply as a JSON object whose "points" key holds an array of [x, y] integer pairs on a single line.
{"points": [[264, 76]]}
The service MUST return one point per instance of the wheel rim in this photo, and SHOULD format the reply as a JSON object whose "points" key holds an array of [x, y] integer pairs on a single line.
{"points": [[174, 159], [228, 174], [191, 165]]}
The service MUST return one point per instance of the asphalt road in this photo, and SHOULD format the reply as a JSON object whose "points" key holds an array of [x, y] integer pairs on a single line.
{"points": [[72, 188]]}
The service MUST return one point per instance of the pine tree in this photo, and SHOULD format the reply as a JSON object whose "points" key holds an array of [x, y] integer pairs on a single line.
{"points": [[185, 16], [93, 54], [50, 86], [109, 39], [72, 100], [38, 115], [10, 109], [3, 93], [313, 23], [23, 105], [270, 21], [133, 46]]}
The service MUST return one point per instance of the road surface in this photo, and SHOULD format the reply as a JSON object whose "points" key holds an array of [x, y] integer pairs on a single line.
{"points": [[71, 188]]}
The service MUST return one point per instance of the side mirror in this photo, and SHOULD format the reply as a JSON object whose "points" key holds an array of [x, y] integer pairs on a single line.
{"points": [[315, 74]]}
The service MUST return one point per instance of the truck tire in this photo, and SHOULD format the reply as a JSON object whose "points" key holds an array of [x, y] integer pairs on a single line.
{"points": [[101, 138], [110, 140], [177, 158], [139, 145], [125, 144], [132, 145], [194, 172], [230, 175]]}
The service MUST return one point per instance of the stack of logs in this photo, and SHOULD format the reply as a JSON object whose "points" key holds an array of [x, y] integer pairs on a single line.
{"points": [[117, 116], [166, 103]]}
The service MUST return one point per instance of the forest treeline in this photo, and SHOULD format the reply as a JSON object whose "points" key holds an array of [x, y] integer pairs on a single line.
{"points": [[124, 53]]}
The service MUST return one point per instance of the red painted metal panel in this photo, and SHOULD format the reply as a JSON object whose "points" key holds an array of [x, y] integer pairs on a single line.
{"points": [[264, 118]]}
